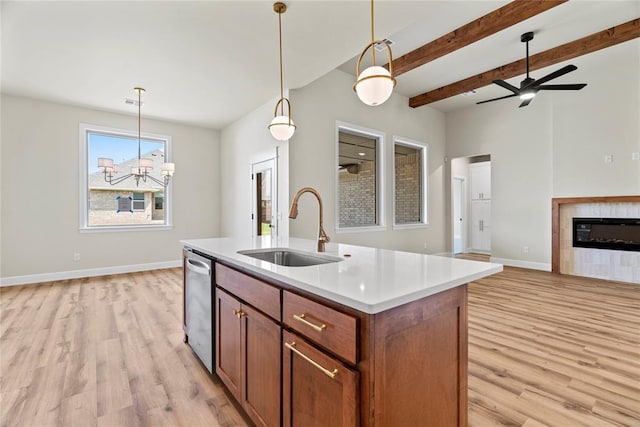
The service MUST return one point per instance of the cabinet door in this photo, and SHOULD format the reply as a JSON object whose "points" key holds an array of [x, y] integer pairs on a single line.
{"points": [[480, 174], [318, 390], [261, 395], [228, 342], [481, 225]]}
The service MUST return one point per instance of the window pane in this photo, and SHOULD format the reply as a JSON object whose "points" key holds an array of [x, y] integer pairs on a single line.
{"points": [[357, 180], [408, 184], [106, 200]]}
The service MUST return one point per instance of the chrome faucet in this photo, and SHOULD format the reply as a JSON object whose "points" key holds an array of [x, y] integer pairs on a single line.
{"points": [[293, 214]]}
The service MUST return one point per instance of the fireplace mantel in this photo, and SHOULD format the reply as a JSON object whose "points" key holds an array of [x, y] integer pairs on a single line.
{"points": [[555, 219]]}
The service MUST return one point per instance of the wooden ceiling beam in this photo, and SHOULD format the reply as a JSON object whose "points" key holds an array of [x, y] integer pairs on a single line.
{"points": [[601, 40], [491, 23]]}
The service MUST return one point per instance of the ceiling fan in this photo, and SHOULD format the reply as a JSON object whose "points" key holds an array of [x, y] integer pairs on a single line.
{"points": [[529, 87]]}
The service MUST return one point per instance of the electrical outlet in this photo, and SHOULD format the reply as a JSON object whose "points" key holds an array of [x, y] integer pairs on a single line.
{"points": [[425, 245], [525, 249], [76, 256], [635, 155], [608, 158]]}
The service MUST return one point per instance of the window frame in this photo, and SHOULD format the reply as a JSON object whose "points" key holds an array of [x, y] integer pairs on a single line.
{"points": [[84, 130], [380, 177], [423, 147]]}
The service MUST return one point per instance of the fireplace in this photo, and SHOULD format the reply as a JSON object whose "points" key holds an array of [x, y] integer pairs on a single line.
{"points": [[622, 234]]}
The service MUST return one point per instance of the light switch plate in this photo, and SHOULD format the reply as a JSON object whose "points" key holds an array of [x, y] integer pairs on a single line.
{"points": [[635, 155], [608, 158]]}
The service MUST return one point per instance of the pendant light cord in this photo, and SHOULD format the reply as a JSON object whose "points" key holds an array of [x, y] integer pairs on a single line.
{"points": [[139, 107], [281, 80], [373, 48]]}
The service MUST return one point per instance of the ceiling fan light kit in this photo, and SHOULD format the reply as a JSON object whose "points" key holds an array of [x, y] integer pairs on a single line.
{"points": [[375, 84], [530, 87], [281, 127]]}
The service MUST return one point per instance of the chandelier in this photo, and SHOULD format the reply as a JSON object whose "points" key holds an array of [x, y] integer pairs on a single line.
{"points": [[140, 170], [281, 127], [375, 84]]}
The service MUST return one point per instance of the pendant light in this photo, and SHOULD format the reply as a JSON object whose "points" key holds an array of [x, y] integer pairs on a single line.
{"points": [[141, 168], [375, 84], [281, 127]]}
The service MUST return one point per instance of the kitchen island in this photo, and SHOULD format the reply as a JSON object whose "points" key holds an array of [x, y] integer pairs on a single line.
{"points": [[378, 338]]}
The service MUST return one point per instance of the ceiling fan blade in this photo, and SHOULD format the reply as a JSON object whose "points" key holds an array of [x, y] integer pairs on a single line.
{"points": [[576, 86], [525, 103], [561, 72], [506, 86], [497, 99]]}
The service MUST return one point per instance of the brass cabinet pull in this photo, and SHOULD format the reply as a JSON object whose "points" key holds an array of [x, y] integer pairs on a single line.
{"points": [[239, 313], [292, 347], [301, 318]]}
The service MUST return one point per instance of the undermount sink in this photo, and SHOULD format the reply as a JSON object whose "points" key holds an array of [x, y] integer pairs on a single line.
{"points": [[290, 257]]}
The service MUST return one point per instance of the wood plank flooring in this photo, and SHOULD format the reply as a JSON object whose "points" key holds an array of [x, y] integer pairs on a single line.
{"points": [[544, 350]]}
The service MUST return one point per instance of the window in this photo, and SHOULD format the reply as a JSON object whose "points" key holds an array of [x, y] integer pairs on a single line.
{"points": [[410, 182], [359, 180], [138, 201], [126, 205], [158, 201]]}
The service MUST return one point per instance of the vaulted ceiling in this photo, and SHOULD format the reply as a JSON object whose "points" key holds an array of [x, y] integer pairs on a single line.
{"points": [[209, 62]]}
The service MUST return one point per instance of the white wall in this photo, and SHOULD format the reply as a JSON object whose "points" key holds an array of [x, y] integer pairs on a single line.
{"points": [[312, 156], [40, 160], [555, 147], [243, 143]]}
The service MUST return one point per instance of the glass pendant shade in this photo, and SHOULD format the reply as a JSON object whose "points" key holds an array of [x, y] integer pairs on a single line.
{"points": [[282, 128], [374, 85]]}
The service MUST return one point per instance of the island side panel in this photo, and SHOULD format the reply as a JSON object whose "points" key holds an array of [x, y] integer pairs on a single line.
{"points": [[421, 362]]}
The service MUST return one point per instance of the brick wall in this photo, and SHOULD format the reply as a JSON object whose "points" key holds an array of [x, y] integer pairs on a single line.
{"points": [[407, 191], [103, 206], [357, 197]]}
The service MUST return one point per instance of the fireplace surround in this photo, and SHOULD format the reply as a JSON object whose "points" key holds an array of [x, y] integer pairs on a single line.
{"points": [[619, 265]]}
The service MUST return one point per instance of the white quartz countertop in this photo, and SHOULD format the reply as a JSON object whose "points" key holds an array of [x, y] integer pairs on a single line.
{"points": [[370, 280]]}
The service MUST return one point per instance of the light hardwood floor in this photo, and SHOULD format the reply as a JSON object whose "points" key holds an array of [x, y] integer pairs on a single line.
{"points": [[544, 350]]}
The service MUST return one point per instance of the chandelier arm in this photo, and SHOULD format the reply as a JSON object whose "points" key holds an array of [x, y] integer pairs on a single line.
{"points": [[119, 180], [157, 181]]}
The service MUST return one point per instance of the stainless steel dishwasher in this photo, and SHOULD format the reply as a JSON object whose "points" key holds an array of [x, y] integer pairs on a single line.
{"points": [[198, 306]]}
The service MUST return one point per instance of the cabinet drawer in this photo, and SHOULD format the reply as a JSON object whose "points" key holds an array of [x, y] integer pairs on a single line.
{"points": [[335, 331], [262, 296]]}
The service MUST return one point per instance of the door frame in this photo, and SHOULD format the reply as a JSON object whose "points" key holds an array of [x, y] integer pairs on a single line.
{"points": [[463, 213], [256, 168]]}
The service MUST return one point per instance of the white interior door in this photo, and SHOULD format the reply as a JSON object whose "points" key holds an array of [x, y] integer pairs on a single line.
{"points": [[264, 198], [458, 222]]}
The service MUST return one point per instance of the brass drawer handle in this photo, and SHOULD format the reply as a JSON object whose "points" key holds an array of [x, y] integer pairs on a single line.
{"points": [[330, 374], [301, 318]]}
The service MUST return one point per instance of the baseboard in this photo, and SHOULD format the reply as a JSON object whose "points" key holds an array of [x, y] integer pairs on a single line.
{"points": [[92, 272], [522, 264]]}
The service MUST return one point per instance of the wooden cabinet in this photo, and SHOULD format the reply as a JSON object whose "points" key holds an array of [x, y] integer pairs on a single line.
{"points": [[248, 352], [323, 325], [325, 364], [318, 390], [480, 175]]}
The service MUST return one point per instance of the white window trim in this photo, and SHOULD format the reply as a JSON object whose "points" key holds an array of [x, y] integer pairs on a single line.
{"points": [[84, 130], [380, 136], [424, 182]]}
